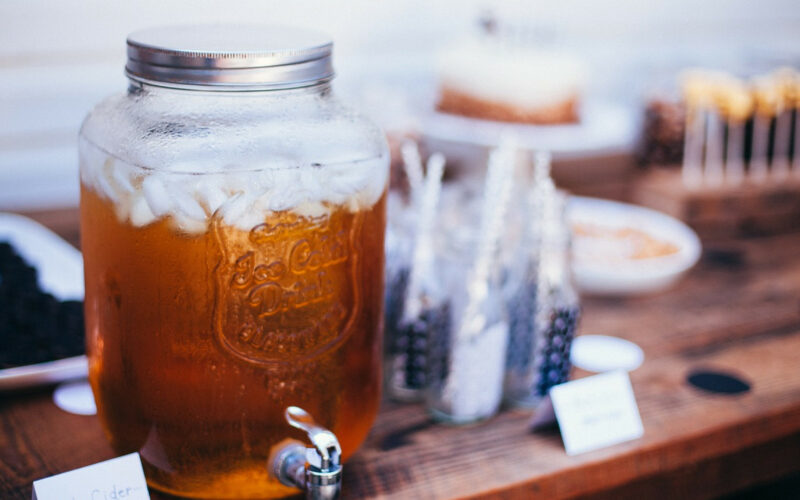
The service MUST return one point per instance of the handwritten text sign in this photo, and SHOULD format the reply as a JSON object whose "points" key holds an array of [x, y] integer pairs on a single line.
{"points": [[597, 411], [116, 479]]}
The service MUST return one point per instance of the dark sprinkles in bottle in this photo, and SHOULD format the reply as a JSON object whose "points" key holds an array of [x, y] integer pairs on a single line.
{"points": [[557, 339]]}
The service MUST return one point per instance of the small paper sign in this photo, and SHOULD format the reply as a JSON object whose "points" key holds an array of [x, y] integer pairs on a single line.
{"points": [[120, 478], [595, 412]]}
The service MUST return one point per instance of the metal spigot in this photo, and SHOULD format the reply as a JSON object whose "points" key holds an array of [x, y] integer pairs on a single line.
{"points": [[316, 470]]}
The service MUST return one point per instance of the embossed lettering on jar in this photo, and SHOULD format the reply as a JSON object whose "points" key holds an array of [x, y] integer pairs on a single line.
{"points": [[232, 231]]}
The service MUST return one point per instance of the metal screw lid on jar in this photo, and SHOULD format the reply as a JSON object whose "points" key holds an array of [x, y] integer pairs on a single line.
{"points": [[229, 57]]}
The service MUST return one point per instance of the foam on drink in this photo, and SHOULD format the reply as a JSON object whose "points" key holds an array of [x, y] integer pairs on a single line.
{"points": [[240, 196]]}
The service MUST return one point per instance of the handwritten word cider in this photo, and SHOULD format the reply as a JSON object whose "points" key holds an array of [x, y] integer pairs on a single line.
{"points": [[232, 232]]}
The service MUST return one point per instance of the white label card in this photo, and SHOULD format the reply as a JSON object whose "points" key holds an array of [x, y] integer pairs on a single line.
{"points": [[120, 478], [597, 411]]}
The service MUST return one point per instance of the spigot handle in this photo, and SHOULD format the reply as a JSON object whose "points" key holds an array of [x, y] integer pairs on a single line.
{"points": [[328, 452], [317, 470]]}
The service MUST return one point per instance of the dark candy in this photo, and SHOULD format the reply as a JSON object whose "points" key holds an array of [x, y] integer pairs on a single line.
{"points": [[34, 326]]}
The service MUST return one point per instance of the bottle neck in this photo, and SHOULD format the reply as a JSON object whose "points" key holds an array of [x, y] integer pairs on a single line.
{"points": [[554, 260], [554, 257], [321, 88]]}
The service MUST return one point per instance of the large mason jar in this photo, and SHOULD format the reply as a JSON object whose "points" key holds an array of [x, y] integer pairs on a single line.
{"points": [[232, 219]]}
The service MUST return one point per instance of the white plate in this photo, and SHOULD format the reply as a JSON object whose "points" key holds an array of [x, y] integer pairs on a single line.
{"points": [[59, 265], [605, 128], [629, 276], [60, 272], [47, 373]]}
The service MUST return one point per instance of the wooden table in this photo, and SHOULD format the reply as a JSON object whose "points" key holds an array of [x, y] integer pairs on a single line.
{"points": [[738, 311]]}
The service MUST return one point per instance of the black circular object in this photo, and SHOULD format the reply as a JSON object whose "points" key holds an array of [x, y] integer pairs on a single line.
{"points": [[717, 382]]}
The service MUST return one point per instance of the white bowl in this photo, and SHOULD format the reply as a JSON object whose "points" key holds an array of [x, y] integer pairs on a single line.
{"points": [[626, 276]]}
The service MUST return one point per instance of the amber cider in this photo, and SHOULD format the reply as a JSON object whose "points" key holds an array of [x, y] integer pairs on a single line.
{"points": [[198, 340]]}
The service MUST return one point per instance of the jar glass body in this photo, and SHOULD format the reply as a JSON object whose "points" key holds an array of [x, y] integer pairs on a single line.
{"points": [[233, 247]]}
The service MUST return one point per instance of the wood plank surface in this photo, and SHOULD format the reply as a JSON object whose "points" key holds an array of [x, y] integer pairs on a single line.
{"points": [[738, 311]]}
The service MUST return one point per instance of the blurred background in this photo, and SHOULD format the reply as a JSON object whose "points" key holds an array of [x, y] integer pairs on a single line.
{"points": [[714, 150], [57, 59]]}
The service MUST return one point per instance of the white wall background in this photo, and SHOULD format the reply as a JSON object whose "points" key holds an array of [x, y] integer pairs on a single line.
{"points": [[58, 58]]}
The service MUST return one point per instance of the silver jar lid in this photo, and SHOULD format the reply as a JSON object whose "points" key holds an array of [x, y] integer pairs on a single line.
{"points": [[229, 57]]}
